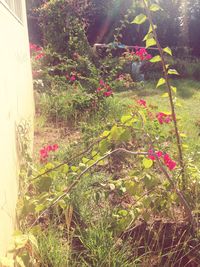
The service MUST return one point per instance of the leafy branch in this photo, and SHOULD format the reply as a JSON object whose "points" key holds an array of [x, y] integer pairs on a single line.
{"points": [[151, 39]]}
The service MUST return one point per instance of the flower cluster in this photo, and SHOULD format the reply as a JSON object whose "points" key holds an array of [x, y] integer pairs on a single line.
{"points": [[142, 103], [143, 54], [105, 88], [166, 158], [44, 152], [36, 50], [125, 79], [139, 53], [71, 77], [163, 118]]}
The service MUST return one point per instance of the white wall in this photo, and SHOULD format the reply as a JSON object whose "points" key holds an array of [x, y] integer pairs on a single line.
{"points": [[16, 103]]}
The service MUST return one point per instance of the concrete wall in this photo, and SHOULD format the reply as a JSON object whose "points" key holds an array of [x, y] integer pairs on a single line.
{"points": [[16, 103]]}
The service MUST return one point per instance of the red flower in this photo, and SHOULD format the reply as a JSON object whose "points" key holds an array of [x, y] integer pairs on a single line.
{"points": [[39, 56], [143, 54], [159, 154], [101, 82], [108, 93], [142, 102], [163, 118], [44, 152], [148, 57], [151, 154], [166, 158], [73, 78], [55, 147], [169, 162]]}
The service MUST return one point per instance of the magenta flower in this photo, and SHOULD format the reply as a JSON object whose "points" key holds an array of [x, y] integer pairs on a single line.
{"points": [[142, 102], [163, 118]]}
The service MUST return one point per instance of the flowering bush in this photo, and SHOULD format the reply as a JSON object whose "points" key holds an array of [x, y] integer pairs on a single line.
{"points": [[104, 88], [36, 51], [140, 54], [44, 152]]}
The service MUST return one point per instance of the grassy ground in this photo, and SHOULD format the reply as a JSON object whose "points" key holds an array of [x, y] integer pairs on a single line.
{"points": [[188, 108], [99, 248], [188, 94]]}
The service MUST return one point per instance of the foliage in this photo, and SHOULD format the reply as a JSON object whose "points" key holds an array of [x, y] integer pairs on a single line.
{"points": [[61, 18], [136, 165]]}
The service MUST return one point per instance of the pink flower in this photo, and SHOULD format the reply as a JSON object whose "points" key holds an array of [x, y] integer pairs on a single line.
{"points": [[32, 47], [163, 118], [101, 82], [44, 152], [151, 155], [99, 89], [143, 54], [39, 56], [55, 147], [38, 48], [171, 165], [166, 158], [108, 93], [108, 88], [148, 57], [49, 148], [169, 162], [142, 102], [73, 78]]}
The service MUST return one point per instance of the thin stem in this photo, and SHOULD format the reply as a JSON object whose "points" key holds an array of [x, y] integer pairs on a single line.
{"points": [[179, 145]]}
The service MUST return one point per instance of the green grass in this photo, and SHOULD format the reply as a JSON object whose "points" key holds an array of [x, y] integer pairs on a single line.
{"points": [[94, 229], [188, 112]]}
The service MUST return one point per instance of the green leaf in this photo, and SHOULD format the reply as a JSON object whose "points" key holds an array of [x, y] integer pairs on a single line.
{"points": [[105, 134], [155, 7], [115, 133], [44, 183], [139, 19], [174, 89], [147, 163], [40, 207], [65, 168], [104, 146], [151, 28], [165, 95], [156, 59], [149, 35], [74, 168], [160, 82], [123, 213], [168, 51], [131, 187], [126, 118], [20, 241], [173, 72], [85, 160], [150, 42]]}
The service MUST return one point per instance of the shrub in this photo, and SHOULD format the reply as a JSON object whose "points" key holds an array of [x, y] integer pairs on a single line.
{"points": [[59, 18]]}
